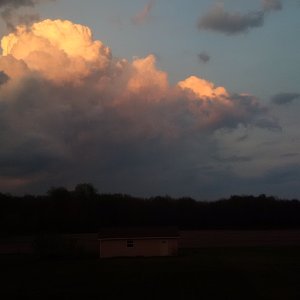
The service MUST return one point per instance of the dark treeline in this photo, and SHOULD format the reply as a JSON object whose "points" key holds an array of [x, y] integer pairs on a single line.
{"points": [[85, 210]]}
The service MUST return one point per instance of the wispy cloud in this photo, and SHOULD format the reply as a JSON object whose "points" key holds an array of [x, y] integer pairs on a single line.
{"points": [[284, 98], [242, 138], [233, 159], [204, 57], [272, 5], [142, 16]]}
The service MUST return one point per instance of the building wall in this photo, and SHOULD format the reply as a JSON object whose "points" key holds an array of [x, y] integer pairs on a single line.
{"points": [[141, 247]]}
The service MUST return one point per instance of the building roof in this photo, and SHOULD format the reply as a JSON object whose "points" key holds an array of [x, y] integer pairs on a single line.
{"points": [[138, 232]]}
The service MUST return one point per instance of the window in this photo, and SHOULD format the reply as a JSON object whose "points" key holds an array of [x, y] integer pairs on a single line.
{"points": [[130, 243]]}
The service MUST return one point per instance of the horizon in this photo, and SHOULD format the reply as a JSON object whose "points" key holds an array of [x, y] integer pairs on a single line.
{"points": [[89, 188]]}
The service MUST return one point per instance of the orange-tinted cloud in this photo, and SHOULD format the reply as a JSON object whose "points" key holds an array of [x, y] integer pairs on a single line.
{"points": [[64, 52], [69, 109], [60, 50], [146, 79], [203, 88]]}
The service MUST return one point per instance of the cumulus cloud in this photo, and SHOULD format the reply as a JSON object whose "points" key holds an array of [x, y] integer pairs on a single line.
{"points": [[60, 50], [231, 23], [204, 57], [142, 16], [284, 98], [70, 111]]}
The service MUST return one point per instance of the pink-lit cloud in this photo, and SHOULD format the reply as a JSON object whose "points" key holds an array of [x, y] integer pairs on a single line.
{"points": [[142, 16], [69, 110]]}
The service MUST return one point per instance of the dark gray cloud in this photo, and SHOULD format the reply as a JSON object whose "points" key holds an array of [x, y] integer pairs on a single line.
{"points": [[242, 138], [282, 175], [289, 155], [281, 181], [271, 5], [284, 98], [17, 3], [3, 77], [53, 135], [9, 12], [217, 19], [11, 18], [270, 124], [233, 159], [259, 114], [204, 57], [230, 23]]}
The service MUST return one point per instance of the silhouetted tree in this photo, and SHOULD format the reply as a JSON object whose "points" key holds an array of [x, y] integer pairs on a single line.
{"points": [[85, 191], [84, 210]]}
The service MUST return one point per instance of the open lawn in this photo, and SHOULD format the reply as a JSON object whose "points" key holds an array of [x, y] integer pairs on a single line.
{"points": [[207, 273]]}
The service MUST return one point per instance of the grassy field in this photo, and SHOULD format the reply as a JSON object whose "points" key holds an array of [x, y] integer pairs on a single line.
{"points": [[208, 273]]}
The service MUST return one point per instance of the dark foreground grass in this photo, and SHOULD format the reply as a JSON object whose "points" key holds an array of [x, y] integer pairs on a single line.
{"points": [[228, 273]]}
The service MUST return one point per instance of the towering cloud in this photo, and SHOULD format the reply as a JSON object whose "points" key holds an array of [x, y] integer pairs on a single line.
{"points": [[60, 50], [71, 111]]}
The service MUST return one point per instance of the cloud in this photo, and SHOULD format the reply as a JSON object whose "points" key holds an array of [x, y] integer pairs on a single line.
{"points": [[233, 159], [3, 78], [60, 50], [270, 124], [72, 112], [282, 175], [9, 15], [142, 16], [242, 138], [204, 57], [17, 3], [284, 98], [289, 155], [219, 20], [271, 5]]}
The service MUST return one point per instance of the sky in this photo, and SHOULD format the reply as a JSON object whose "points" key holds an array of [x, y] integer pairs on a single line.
{"points": [[144, 97]]}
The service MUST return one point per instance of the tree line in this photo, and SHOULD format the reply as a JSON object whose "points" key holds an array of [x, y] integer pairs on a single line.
{"points": [[85, 210]]}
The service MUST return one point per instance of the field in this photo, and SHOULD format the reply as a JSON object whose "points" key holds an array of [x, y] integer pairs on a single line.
{"points": [[239, 238], [260, 272]]}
